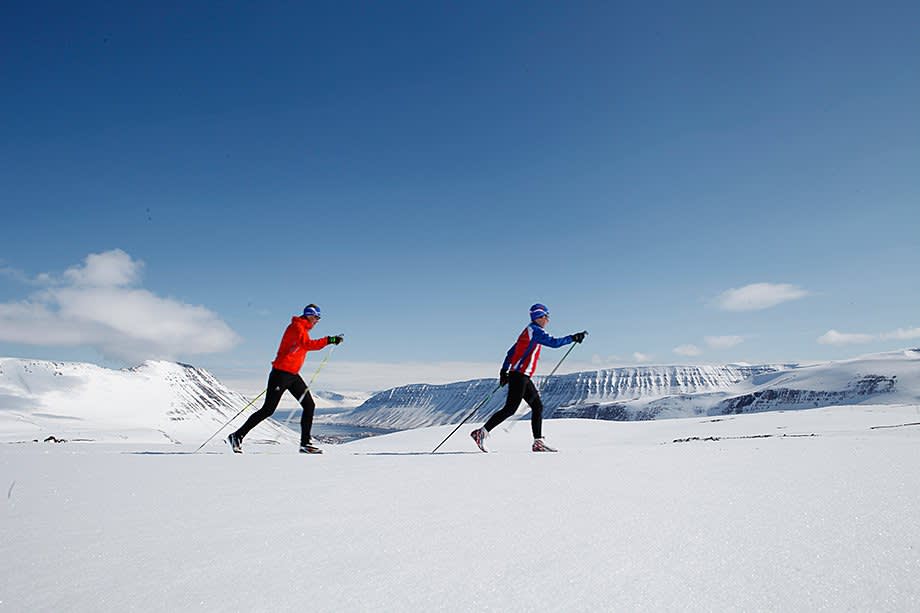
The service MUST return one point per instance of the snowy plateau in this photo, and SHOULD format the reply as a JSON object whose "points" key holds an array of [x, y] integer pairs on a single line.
{"points": [[754, 488]]}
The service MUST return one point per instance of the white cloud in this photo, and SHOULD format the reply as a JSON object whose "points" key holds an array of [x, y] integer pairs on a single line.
{"points": [[688, 350], [758, 296], [833, 337], [93, 305], [597, 362], [902, 334], [723, 342], [642, 358], [113, 268]]}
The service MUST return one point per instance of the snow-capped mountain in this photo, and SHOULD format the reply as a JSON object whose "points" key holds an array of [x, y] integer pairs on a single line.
{"points": [[155, 401], [652, 392], [337, 401], [159, 401]]}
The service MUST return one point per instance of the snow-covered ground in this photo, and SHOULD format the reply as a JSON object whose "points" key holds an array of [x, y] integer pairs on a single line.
{"points": [[812, 510]]}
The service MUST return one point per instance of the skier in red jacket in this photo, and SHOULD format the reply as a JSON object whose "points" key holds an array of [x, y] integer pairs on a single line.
{"points": [[285, 376]]}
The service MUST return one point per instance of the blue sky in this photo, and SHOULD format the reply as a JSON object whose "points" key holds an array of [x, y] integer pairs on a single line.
{"points": [[425, 171]]}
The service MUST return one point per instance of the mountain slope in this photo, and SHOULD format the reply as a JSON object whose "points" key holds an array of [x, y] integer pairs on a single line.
{"points": [[653, 392], [159, 401], [155, 401]]}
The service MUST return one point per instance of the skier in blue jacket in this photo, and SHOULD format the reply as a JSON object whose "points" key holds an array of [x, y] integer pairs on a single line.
{"points": [[519, 366]]}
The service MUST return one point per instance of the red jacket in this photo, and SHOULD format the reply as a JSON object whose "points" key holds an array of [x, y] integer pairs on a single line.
{"points": [[295, 344]]}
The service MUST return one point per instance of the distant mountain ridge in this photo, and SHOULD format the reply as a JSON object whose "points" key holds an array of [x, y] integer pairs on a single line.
{"points": [[654, 392], [159, 401], [155, 401]]}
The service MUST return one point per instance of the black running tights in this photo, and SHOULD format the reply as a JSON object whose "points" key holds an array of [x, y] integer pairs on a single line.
{"points": [[279, 382], [520, 387]]}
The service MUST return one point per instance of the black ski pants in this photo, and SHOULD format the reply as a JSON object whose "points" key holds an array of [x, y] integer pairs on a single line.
{"points": [[520, 387], [279, 382]]}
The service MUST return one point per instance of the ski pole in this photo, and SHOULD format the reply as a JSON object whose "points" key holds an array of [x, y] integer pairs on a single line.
{"points": [[312, 379], [473, 412], [251, 402], [543, 383]]}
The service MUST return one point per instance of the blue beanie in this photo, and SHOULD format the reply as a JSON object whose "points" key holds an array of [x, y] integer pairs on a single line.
{"points": [[311, 310], [537, 311]]}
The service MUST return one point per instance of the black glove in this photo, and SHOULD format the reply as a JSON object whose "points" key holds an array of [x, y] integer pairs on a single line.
{"points": [[334, 340], [503, 378], [579, 336]]}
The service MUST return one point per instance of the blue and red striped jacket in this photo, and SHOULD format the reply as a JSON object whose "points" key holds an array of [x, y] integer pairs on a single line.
{"points": [[524, 354]]}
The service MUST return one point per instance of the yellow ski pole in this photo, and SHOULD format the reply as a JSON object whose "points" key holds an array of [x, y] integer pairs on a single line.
{"points": [[251, 402], [312, 379]]}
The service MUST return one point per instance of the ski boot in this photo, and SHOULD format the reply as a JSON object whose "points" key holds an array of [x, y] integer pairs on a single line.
{"points": [[539, 445], [479, 436], [236, 443]]}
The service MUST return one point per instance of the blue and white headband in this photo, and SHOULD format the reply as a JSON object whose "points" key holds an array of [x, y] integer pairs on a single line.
{"points": [[537, 311]]}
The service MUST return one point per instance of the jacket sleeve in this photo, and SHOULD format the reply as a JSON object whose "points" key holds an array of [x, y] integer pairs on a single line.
{"points": [[507, 363], [543, 338], [314, 344]]}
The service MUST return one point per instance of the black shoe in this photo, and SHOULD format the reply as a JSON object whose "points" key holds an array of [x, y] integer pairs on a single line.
{"points": [[310, 449], [236, 443]]}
